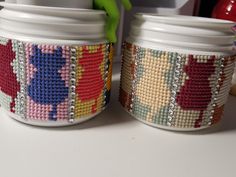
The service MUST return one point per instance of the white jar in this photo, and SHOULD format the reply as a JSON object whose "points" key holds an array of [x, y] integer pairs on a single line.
{"points": [[176, 71], [56, 64]]}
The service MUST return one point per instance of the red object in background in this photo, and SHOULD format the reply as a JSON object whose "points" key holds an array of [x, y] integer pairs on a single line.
{"points": [[225, 9]]}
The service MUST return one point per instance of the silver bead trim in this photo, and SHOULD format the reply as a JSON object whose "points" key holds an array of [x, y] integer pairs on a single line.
{"points": [[22, 70], [106, 72], [72, 84], [137, 59], [177, 75], [219, 72]]}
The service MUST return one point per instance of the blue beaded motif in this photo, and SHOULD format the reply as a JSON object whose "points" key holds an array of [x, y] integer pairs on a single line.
{"points": [[47, 86]]}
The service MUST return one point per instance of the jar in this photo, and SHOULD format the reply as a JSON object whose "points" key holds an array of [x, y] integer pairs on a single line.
{"points": [[55, 64], [176, 71]]}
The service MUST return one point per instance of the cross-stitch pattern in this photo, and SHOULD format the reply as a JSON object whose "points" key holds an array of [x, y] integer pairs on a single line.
{"points": [[92, 63], [196, 92], [154, 82], [222, 88], [9, 86], [35, 68], [47, 86], [40, 83], [127, 73], [174, 90]]}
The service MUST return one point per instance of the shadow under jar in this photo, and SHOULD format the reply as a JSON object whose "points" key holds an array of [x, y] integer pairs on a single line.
{"points": [[55, 64], [177, 70]]}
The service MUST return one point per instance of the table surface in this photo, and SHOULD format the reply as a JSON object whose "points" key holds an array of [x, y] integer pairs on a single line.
{"points": [[115, 145]]}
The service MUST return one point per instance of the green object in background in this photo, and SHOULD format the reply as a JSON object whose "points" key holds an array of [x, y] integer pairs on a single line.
{"points": [[113, 15]]}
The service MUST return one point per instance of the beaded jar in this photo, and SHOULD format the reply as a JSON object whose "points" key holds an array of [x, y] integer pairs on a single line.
{"points": [[54, 84], [170, 86], [173, 90], [52, 79]]}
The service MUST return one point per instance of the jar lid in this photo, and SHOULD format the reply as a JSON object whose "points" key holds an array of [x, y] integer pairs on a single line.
{"points": [[182, 34], [52, 24], [182, 20], [85, 4]]}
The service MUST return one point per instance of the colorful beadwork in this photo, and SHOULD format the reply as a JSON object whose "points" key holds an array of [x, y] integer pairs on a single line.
{"points": [[128, 78], [90, 92], [54, 90], [172, 89], [54, 82], [9, 86], [196, 92]]}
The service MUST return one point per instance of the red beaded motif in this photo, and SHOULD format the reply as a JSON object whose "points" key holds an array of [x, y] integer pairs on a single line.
{"points": [[91, 83], [196, 92], [8, 80]]}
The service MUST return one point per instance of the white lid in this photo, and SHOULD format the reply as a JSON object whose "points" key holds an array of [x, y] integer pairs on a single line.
{"points": [[182, 34], [176, 36], [178, 29], [51, 24], [192, 21], [86, 4], [40, 40]]}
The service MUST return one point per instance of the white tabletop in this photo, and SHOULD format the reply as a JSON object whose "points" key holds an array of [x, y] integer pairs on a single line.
{"points": [[115, 145]]}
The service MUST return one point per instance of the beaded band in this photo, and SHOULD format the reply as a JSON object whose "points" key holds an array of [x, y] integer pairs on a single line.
{"points": [[54, 83], [172, 90]]}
